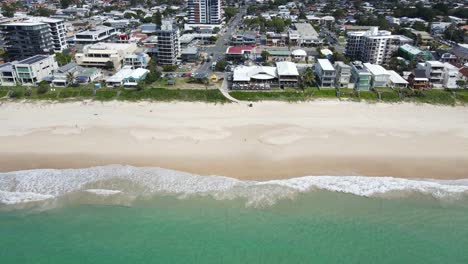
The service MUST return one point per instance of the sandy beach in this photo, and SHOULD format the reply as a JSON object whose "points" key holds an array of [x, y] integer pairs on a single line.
{"points": [[271, 140]]}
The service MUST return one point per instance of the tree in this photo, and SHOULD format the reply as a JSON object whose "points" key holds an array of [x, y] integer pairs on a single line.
{"points": [[109, 65], [230, 12], [63, 59], [307, 78], [454, 34], [337, 56], [8, 10], [215, 30], [43, 87], [221, 65], [419, 26], [265, 55], [70, 77], [65, 3], [169, 68], [157, 19], [461, 84], [398, 65]]}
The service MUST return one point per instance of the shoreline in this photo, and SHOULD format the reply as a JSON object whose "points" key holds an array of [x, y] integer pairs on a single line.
{"points": [[271, 140]]}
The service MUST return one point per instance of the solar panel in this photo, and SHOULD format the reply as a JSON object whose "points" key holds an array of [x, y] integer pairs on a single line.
{"points": [[33, 59]]}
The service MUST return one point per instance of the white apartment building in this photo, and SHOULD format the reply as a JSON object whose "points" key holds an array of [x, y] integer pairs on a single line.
{"points": [[343, 74], [325, 73], [27, 72], [95, 35], [97, 55], [205, 12], [374, 46]]}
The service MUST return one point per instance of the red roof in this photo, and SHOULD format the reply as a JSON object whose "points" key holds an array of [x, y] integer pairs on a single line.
{"points": [[239, 49]]}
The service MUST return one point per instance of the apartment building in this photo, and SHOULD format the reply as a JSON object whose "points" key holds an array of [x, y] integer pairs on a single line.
{"points": [[204, 12], [374, 46], [57, 31], [360, 76], [95, 35], [343, 74], [325, 73], [26, 39], [168, 43], [98, 55], [27, 72]]}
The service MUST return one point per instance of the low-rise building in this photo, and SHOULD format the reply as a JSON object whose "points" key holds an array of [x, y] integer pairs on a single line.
{"points": [[451, 76], [418, 80], [288, 76], [127, 77], [343, 74], [410, 52], [29, 71], [325, 73], [360, 76], [307, 35], [98, 55], [190, 54], [95, 35], [396, 81], [138, 60], [379, 75], [434, 72]]}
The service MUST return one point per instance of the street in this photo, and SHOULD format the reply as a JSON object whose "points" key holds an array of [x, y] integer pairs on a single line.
{"points": [[219, 48]]}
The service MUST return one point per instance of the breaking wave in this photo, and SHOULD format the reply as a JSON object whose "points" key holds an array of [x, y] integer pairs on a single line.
{"points": [[119, 180]]}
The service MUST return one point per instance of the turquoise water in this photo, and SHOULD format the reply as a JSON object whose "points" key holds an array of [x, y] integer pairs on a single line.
{"points": [[313, 227], [123, 214]]}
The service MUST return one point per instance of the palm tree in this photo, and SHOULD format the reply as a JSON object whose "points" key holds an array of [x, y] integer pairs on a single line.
{"points": [[70, 77], [308, 77]]}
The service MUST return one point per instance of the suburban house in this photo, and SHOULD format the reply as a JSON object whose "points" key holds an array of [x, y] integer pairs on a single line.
{"points": [[360, 76], [343, 75], [379, 75], [127, 77], [418, 80]]}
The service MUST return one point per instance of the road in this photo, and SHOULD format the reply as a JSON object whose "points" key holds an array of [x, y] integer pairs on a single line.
{"points": [[219, 48]]}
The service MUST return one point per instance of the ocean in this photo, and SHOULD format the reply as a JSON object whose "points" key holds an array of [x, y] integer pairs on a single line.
{"points": [[123, 214]]}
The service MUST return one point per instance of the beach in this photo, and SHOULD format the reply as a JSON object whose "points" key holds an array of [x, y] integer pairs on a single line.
{"points": [[271, 140]]}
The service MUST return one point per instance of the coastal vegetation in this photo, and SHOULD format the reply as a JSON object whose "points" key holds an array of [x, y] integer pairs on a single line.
{"points": [[160, 91]]}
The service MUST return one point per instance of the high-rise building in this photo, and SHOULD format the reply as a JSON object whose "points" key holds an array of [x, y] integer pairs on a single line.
{"points": [[26, 39], [57, 30], [32, 36], [374, 46], [168, 43], [204, 12]]}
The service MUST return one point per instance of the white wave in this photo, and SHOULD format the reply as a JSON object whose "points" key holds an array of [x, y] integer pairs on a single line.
{"points": [[22, 197], [103, 192], [144, 181]]}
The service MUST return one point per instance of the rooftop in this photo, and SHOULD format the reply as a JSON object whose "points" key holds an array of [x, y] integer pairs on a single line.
{"points": [[375, 69], [239, 49], [33, 59], [325, 65], [396, 78], [287, 68], [306, 30]]}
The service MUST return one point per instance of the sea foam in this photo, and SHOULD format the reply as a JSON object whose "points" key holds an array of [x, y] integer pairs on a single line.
{"points": [[43, 184]]}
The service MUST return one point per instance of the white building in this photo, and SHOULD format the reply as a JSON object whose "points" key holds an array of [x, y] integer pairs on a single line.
{"points": [[27, 72], [343, 75], [95, 35], [373, 46], [305, 35], [434, 72], [205, 12], [325, 73], [451, 76], [396, 81], [380, 75], [127, 77], [97, 55]]}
